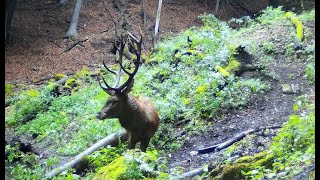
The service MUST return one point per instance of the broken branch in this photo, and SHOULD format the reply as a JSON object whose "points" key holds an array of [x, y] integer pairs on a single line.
{"points": [[231, 141]]}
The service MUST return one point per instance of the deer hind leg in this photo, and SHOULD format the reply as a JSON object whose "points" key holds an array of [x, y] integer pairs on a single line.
{"points": [[144, 144]]}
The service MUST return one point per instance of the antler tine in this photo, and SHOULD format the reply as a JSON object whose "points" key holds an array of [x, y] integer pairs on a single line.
{"points": [[120, 57], [134, 38], [137, 63], [124, 86], [114, 72], [104, 88], [117, 73]]}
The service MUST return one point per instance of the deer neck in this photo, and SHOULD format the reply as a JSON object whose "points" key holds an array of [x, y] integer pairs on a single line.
{"points": [[131, 107]]}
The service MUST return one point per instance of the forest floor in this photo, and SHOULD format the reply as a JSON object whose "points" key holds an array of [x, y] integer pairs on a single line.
{"points": [[36, 51]]}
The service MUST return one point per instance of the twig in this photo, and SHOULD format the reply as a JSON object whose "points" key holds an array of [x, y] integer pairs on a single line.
{"points": [[185, 121], [74, 44], [54, 43]]}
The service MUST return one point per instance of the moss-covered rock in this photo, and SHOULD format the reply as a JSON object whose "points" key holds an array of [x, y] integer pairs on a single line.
{"points": [[245, 163], [113, 171], [59, 76], [132, 165], [234, 171]]}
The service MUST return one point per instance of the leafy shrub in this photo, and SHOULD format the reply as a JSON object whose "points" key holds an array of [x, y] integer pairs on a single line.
{"points": [[307, 16], [271, 14], [28, 104], [20, 165], [310, 72]]}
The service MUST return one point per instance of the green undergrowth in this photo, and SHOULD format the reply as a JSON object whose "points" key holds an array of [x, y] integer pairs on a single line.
{"points": [[291, 151], [194, 80]]}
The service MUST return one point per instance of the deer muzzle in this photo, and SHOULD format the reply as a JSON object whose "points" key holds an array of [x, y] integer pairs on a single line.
{"points": [[100, 116]]}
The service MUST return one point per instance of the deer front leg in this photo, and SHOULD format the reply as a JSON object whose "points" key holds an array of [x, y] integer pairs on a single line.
{"points": [[144, 144], [131, 142]]}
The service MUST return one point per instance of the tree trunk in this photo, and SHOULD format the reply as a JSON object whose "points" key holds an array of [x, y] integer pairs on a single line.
{"points": [[156, 29], [62, 2], [72, 31], [10, 8], [217, 7]]}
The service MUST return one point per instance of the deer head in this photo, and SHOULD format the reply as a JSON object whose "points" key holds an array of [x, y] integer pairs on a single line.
{"points": [[118, 100]]}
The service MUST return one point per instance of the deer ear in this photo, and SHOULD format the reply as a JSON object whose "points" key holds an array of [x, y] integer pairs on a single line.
{"points": [[128, 88]]}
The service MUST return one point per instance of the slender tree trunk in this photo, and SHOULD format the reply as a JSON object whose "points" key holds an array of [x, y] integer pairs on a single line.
{"points": [[156, 29], [217, 7], [72, 31], [9, 11], [144, 15], [62, 2]]}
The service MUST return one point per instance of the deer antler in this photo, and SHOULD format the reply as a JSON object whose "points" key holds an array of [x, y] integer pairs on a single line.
{"points": [[133, 41]]}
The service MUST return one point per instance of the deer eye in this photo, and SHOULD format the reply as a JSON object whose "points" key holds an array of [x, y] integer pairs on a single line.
{"points": [[114, 102]]}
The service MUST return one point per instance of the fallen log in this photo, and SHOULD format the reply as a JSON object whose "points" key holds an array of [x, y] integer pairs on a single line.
{"points": [[195, 172], [191, 173], [231, 141], [110, 139]]}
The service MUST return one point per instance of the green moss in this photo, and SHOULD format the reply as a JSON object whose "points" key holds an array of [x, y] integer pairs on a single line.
{"points": [[202, 88], [222, 71], [72, 82], [233, 65], [82, 73], [112, 171], [8, 89], [33, 93], [132, 165], [187, 101], [234, 171], [59, 76], [265, 161], [244, 159]]}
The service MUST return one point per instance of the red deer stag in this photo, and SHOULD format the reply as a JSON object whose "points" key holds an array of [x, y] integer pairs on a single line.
{"points": [[137, 115]]}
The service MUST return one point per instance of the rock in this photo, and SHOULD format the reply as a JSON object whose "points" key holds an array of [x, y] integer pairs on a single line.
{"points": [[192, 153], [233, 158], [290, 89]]}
